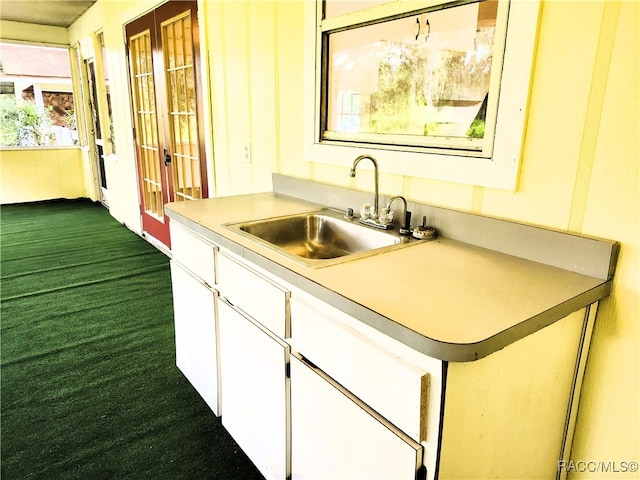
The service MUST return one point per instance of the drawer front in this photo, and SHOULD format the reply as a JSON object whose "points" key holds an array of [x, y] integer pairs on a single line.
{"points": [[195, 253], [259, 297], [336, 436], [394, 387]]}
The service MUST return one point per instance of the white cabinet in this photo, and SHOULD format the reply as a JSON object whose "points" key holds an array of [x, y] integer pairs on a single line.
{"points": [[310, 392], [400, 384], [255, 390], [194, 306], [194, 253], [254, 293], [233, 344], [336, 436], [379, 371]]}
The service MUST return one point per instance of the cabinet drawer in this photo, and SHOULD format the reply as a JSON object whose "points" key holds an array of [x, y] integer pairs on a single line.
{"points": [[336, 436], [258, 296], [195, 253], [396, 388]]}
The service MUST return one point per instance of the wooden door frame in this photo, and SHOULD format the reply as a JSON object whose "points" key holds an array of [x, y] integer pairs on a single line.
{"points": [[167, 11], [152, 21]]}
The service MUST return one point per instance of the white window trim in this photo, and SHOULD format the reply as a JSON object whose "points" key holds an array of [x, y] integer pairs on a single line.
{"points": [[499, 171]]}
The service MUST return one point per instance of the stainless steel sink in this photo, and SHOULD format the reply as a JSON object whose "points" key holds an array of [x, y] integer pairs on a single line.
{"points": [[319, 238]]}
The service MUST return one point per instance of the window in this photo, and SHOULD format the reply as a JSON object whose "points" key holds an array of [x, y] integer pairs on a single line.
{"points": [[433, 89], [36, 97]]}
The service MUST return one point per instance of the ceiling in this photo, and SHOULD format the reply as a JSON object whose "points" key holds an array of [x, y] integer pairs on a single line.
{"points": [[57, 13]]}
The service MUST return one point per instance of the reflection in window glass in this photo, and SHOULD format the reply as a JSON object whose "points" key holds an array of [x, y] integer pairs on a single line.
{"points": [[424, 75]]}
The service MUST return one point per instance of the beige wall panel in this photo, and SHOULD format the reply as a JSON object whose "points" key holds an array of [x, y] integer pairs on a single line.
{"points": [[333, 175], [562, 75], [445, 194], [290, 74], [609, 416], [213, 24], [237, 83], [29, 175], [263, 51]]}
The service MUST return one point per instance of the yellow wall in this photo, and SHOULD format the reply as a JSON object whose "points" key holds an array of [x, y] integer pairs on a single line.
{"points": [[29, 175], [579, 173], [120, 168], [31, 33]]}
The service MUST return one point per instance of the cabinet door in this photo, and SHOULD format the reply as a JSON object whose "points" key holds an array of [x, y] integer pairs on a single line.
{"points": [[255, 391], [335, 435], [377, 370], [194, 307]]}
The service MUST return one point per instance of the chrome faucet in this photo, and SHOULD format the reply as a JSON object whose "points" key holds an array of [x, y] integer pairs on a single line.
{"points": [[404, 226], [352, 173]]}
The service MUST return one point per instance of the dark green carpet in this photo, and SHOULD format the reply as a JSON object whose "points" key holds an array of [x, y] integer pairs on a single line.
{"points": [[88, 379]]}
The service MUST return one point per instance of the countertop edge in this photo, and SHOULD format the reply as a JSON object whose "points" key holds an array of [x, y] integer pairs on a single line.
{"points": [[444, 351]]}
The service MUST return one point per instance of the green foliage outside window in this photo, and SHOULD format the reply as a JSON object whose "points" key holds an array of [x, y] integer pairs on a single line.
{"points": [[24, 124]]}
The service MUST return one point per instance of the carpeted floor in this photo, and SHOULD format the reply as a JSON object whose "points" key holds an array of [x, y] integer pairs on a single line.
{"points": [[88, 379]]}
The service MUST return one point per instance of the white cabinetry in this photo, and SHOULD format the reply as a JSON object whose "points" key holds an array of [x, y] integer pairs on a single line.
{"points": [[255, 390], [254, 358], [196, 336], [195, 253], [255, 294], [317, 391], [337, 436], [398, 383]]}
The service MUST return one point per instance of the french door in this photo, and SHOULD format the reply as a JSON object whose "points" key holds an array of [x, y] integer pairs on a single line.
{"points": [[164, 65]]}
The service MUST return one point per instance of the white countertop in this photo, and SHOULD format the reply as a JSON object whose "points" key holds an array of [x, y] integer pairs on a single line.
{"points": [[445, 298]]}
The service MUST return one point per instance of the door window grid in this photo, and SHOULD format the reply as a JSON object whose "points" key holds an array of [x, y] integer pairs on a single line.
{"points": [[179, 71], [144, 104]]}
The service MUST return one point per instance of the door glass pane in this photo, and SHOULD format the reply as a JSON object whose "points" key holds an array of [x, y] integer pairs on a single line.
{"points": [[181, 96], [147, 123], [425, 75]]}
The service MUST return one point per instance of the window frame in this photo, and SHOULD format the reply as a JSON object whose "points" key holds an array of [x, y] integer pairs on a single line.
{"points": [[496, 168]]}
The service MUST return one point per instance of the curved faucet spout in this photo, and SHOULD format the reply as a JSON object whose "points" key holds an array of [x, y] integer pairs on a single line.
{"points": [[352, 173], [404, 226]]}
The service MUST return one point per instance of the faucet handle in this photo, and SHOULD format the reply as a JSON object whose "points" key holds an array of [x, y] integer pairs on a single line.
{"points": [[386, 216], [367, 211]]}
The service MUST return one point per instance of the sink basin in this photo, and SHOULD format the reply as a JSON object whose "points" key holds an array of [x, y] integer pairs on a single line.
{"points": [[319, 238]]}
